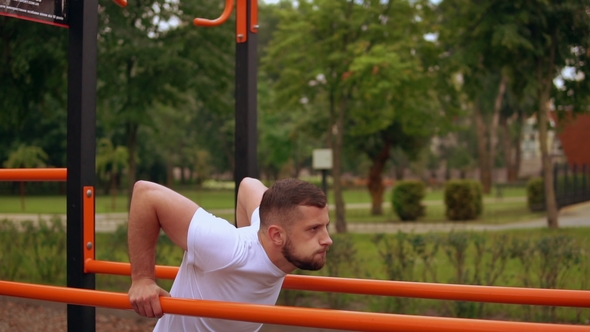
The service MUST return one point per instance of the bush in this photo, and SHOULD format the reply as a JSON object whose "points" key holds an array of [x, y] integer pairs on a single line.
{"points": [[406, 199], [463, 199], [535, 192]]}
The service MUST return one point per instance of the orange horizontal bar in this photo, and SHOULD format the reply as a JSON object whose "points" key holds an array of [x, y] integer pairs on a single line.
{"points": [[33, 174], [493, 294], [295, 316], [124, 269]]}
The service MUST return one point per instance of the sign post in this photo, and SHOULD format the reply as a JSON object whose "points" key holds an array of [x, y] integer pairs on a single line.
{"points": [[322, 160]]}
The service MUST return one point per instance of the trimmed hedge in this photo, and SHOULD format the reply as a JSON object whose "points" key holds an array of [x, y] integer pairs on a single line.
{"points": [[535, 193], [463, 199], [406, 199]]}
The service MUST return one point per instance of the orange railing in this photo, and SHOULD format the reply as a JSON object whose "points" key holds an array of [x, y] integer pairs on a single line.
{"points": [[295, 316], [496, 294], [345, 320], [33, 174]]}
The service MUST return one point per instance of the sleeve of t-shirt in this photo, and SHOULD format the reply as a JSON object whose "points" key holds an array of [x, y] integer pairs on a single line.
{"points": [[211, 241], [255, 219]]}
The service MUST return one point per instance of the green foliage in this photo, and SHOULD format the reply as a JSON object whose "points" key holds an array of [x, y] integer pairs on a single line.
{"points": [[341, 261], [399, 260], [406, 199], [48, 241], [33, 70], [11, 253], [463, 199], [535, 192], [26, 157]]}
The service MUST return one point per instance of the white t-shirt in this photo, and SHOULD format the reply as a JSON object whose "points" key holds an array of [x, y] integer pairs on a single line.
{"points": [[222, 263]]}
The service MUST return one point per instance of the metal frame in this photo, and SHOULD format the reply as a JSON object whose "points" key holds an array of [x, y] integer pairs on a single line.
{"points": [[81, 149], [245, 153]]}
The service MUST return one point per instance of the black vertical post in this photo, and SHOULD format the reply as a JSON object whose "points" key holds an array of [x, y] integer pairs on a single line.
{"points": [[246, 106], [81, 148], [575, 183]]}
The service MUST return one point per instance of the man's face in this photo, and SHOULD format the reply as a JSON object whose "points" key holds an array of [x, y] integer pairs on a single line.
{"points": [[308, 240]]}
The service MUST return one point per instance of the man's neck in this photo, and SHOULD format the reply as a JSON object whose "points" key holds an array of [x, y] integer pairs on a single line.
{"points": [[274, 254]]}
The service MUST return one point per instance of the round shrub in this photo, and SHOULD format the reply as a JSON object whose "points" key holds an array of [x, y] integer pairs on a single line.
{"points": [[463, 199], [406, 199], [535, 192]]}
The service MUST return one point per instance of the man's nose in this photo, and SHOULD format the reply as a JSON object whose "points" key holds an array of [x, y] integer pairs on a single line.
{"points": [[327, 240]]}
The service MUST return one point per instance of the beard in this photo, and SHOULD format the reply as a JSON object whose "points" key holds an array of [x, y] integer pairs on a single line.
{"points": [[304, 263]]}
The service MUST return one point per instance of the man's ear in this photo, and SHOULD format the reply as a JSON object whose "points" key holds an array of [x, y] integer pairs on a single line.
{"points": [[276, 234]]}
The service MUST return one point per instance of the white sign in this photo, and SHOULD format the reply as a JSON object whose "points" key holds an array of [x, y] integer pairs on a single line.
{"points": [[322, 159]]}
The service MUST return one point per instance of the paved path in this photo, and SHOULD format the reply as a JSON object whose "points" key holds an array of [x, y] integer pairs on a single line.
{"points": [[573, 216]]}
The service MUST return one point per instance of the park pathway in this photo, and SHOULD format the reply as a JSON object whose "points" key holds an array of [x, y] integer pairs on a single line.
{"points": [[572, 216]]}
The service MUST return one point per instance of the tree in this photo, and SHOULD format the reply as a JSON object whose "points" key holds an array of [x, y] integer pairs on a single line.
{"points": [[111, 162], [558, 32], [26, 157], [533, 40], [149, 55], [345, 59], [33, 72]]}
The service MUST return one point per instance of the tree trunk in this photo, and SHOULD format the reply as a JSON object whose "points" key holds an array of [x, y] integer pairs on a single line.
{"points": [[375, 183], [337, 123], [545, 74], [518, 147], [507, 147], [494, 125], [399, 172], [485, 175]]}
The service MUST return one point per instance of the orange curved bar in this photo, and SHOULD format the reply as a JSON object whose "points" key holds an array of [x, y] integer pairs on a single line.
{"points": [[121, 3], [296, 316], [33, 174], [229, 6], [493, 294]]}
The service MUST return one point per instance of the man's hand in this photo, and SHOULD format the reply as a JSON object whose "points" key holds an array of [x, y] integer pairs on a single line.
{"points": [[144, 296]]}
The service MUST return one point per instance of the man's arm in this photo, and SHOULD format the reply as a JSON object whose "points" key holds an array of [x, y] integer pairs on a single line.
{"points": [[249, 196], [153, 207]]}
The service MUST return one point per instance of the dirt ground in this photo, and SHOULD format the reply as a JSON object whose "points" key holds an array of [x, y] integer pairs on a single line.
{"points": [[24, 315]]}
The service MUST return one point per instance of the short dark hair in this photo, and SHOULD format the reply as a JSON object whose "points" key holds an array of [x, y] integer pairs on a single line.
{"points": [[279, 203]]}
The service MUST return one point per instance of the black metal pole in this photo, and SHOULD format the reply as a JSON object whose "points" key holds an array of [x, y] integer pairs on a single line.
{"points": [[245, 143], [81, 148]]}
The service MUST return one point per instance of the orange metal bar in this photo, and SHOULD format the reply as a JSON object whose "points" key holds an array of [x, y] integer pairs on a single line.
{"points": [[33, 174], [254, 16], [121, 3], [295, 316], [88, 213], [229, 7], [494, 294], [124, 269], [241, 24]]}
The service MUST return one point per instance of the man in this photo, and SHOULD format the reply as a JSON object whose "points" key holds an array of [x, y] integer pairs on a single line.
{"points": [[279, 229]]}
